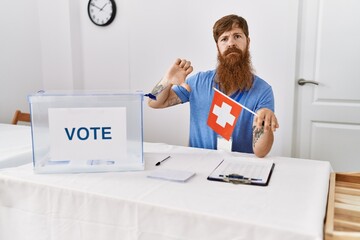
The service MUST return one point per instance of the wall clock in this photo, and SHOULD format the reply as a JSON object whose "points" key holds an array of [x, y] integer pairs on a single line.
{"points": [[102, 12]]}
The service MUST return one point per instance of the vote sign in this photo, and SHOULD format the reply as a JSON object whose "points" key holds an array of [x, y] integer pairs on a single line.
{"points": [[87, 133]]}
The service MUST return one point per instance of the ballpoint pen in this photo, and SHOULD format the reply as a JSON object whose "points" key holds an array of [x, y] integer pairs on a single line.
{"points": [[158, 163], [236, 178]]}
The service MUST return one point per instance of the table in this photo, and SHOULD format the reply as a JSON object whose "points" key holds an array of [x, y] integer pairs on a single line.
{"points": [[15, 145], [129, 205]]}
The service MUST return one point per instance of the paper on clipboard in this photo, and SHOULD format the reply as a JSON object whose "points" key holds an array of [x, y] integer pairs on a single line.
{"points": [[241, 170]]}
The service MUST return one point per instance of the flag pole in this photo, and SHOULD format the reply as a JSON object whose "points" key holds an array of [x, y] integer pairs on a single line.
{"points": [[235, 101]]}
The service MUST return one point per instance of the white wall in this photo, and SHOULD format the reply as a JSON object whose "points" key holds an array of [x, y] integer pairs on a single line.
{"points": [[20, 60], [145, 38]]}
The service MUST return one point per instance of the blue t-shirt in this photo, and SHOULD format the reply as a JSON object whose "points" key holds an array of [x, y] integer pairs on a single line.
{"points": [[200, 97]]}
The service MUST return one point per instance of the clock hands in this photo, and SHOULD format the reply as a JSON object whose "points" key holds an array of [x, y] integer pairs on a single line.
{"points": [[103, 7], [100, 9], [93, 4]]}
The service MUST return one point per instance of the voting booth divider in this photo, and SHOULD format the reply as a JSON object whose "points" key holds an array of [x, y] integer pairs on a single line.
{"points": [[87, 131]]}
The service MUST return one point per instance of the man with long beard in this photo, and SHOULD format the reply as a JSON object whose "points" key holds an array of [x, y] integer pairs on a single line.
{"points": [[234, 77]]}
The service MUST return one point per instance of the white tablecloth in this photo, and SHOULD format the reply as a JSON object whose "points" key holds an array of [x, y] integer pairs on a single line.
{"points": [[15, 145], [129, 205]]}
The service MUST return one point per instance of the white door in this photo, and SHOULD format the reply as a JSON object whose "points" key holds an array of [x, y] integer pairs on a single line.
{"points": [[328, 114]]}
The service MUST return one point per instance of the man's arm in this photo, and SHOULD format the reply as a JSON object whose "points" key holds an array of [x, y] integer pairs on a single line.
{"points": [[176, 75], [264, 126]]}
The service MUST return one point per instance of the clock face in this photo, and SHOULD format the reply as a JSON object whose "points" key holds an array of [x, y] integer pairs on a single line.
{"points": [[102, 12]]}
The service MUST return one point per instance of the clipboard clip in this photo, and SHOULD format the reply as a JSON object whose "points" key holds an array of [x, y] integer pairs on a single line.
{"points": [[238, 179]]}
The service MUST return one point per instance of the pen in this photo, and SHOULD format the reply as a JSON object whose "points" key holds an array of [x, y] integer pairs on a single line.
{"points": [[239, 177], [158, 163]]}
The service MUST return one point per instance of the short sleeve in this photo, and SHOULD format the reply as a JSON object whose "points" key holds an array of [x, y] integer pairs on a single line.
{"points": [[182, 93]]}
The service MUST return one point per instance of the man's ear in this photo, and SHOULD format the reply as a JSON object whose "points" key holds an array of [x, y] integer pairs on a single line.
{"points": [[248, 42]]}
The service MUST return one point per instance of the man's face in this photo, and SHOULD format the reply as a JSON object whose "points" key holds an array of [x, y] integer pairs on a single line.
{"points": [[233, 38], [234, 70]]}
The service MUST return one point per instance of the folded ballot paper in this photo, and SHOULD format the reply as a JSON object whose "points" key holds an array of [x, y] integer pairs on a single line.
{"points": [[171, 175], [244, 171]]}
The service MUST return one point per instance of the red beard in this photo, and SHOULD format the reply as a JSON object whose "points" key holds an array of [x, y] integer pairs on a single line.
{"points": [[234, 71]]}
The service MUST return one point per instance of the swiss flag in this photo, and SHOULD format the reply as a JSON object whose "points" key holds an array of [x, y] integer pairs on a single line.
{"points": [[224, 112]]}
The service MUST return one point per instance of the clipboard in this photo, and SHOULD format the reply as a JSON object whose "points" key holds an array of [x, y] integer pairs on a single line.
{"points": [[243, 171]]}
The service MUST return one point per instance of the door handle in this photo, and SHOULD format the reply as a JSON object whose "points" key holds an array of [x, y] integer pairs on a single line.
{"points": [[302, 82]]}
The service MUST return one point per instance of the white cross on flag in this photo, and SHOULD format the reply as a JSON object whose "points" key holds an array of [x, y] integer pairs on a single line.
{"points": [[224, 112]]}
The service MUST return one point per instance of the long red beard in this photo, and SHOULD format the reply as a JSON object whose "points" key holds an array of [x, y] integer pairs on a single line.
{"points": [[234, 71]]}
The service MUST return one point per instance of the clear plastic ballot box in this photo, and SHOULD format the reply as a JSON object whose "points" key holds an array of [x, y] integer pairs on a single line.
{"points": [[84, 131]]}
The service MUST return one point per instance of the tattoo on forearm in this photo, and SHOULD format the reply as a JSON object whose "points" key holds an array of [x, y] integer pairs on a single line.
{"points": [[157, 89], [257, 134]]}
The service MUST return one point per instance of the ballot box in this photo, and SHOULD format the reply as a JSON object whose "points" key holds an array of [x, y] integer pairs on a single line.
{"points": [[87, 131]]}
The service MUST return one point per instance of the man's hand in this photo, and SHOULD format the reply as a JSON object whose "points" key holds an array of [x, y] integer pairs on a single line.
{"points": [[265, 123], [265, 117], [178, 72], [176, 75]]}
